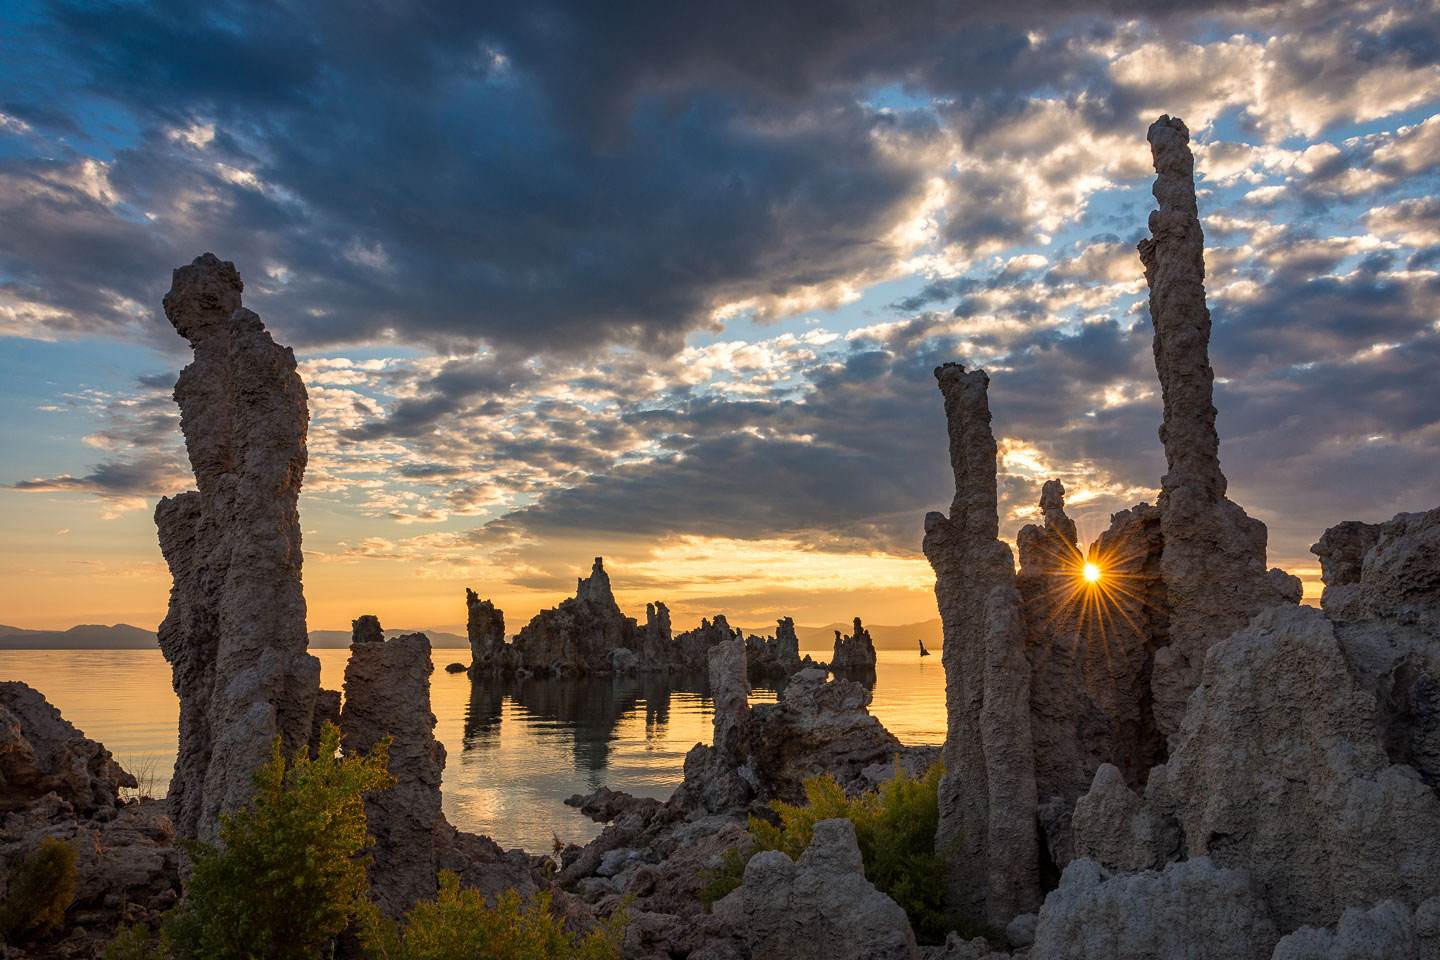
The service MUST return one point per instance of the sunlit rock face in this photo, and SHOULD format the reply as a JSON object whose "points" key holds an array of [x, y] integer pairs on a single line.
{"points": [[387, 693], [235, 631], [1213, 564]]}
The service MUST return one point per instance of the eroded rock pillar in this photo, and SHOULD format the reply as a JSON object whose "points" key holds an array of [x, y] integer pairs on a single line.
{"points": [[235, 630]]}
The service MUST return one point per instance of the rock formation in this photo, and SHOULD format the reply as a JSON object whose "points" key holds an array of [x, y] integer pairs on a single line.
{"points": [[235, 631], [366, 629], [485, 627], [972, 568], [730, 691], [387, 693], [586, 634], [1213, 563], [56, 782], [1387, 932], [855, 652], [1189, 911], [777, 656], [821, 907], [1092, 661], [41, 752]]}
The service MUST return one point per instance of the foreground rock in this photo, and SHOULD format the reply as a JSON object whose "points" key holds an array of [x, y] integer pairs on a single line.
{"points": [[55, 782], [387, 693], [235, 631], [821, 907], [43, 753], [1189, 911]]}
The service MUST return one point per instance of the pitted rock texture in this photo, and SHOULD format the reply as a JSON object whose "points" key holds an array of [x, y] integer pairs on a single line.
{"points": [[1194, 910], [235, 631], [1279, 769], [1214, 558], [853, 653], [821, 907], [366, 629], [777, 656], [1382, 591], [387, 693], [730, 690], [970, 563], [41, 752], [1389, 931]]}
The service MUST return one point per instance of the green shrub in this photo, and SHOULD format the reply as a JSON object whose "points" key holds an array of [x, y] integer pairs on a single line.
{"points": [[39, 887], [895, 829], [138, 942], [457, 925], [292, 873]]}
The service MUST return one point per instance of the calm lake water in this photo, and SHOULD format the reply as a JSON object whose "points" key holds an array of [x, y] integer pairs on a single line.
{"points": [[516, 749]]}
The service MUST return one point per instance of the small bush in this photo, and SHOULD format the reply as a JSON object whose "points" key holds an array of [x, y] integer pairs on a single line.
{"points": [[138, 942], [39, 888], [292, 873], [724, 879], [457, 925], [895, 829]]}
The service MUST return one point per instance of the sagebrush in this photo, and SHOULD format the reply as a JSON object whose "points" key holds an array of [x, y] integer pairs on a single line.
{"points": [[292, 872], [895, 828], [457, 925], [39, 886]]}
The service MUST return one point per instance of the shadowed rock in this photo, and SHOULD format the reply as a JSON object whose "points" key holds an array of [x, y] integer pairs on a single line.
{"points": [[971, 564], [41, 752], [387, 693], [855, 652], [1213, 564], [366, 629], [235, 630]]}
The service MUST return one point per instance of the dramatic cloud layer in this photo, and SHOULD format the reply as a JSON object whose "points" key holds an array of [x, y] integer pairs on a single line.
{"points": [[666, 281]]}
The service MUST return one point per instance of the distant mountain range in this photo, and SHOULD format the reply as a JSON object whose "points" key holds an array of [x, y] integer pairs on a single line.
{"points": [[122, 636]]}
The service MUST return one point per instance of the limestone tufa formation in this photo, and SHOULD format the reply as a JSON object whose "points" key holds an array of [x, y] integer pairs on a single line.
{"points": [[387, 693], [855, 652], [235, 631], [41, 752]]}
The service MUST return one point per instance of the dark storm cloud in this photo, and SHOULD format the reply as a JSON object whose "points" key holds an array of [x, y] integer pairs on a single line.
{"points": [[121, 479], [550, 176]]}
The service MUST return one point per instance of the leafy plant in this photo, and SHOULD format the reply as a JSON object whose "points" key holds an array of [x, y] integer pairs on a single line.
{"points": [[895, 828], [138, 942], [292, 872], [40, 885], [457, 925]]}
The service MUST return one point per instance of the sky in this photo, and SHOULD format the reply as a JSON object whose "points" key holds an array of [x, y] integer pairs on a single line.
{"points": [[667, 282]]}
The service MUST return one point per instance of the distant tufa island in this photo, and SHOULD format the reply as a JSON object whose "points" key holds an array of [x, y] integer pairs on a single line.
{"points": [[122, 636]]}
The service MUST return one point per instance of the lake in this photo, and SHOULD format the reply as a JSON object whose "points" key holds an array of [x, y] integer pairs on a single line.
{"points": [[515, 749]]}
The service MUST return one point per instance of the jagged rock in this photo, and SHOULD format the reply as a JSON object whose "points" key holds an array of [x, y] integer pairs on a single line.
{"points": [[327, 710], [387, 693], [693, 646], [1280, 738], [235, 631], [41, 752], [855, 652], [822, 906], [1116, 827], [1193, 910], [1382, 591], [490, 653], [971, 563], [1386, 932], [366, 629], [1214, 558], [604, 805], [586, 634], [777, 656], [456, 667], [127, 866], [730, 691]]}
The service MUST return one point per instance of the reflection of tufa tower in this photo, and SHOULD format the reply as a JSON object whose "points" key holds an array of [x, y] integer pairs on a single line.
{"points": [[1048, 674]]}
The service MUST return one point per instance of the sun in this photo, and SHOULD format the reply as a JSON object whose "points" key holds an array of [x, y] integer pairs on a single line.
{"points": [[1092, 573]]}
